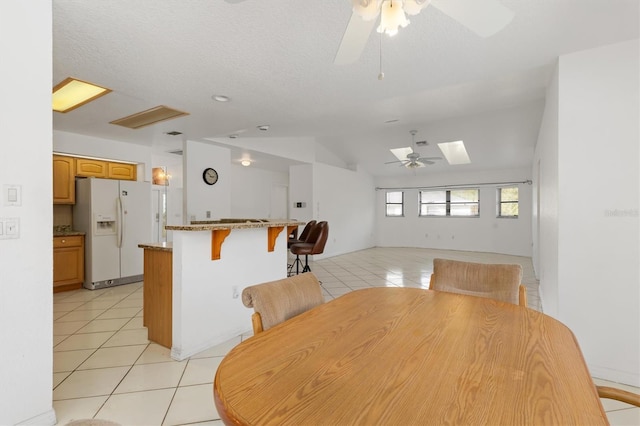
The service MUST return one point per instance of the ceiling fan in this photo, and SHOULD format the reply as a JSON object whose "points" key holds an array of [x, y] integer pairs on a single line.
{"points": [[483, 17], [409, 158]]}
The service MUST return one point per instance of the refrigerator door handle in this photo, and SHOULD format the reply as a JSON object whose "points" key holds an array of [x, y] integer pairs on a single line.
{"points": [[120, 222]]}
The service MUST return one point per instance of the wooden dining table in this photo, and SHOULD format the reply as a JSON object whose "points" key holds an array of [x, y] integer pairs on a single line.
{"points": [[409, 356]]}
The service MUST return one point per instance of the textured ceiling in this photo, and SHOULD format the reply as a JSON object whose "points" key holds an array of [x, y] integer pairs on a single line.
{"points": [[274, 59]]}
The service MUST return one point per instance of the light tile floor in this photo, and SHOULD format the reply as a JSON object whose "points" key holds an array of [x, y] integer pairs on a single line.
{"points": [[105, 368]]}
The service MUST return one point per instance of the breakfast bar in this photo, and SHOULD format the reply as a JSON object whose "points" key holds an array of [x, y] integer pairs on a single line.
{"points": [[192, 285]]}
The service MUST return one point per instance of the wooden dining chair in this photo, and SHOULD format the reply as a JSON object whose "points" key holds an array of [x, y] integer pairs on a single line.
{"points": [[493, 281], [619, 395], [277, 301]]}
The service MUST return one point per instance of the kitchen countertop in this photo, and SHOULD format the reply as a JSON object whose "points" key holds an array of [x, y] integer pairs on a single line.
{"points": [[157, 246], [65, 231], [233, 225]]}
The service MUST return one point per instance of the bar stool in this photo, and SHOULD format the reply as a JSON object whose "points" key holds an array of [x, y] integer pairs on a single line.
{"points": [[314, 245], [302, 239], [303, 235]]}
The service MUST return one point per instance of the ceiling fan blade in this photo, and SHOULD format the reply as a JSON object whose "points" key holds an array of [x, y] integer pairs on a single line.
{"points": [[429, 158], [354, 40], [401, 153], [428, 162], [483, 17], [392, 162]]}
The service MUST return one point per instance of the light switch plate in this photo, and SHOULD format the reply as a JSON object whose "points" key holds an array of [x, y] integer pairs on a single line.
{"points": [[12, 195]]}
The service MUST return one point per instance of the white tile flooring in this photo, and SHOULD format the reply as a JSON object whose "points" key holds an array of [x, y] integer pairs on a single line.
{"points": [[105, 368]]}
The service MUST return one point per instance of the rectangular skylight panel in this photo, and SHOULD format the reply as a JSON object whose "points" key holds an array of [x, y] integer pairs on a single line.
{"points": [[401, 153], [454, 152]]}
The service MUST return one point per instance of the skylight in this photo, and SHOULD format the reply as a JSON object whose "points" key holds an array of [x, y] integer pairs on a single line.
{"points": [[401, 153], [454, 152]]}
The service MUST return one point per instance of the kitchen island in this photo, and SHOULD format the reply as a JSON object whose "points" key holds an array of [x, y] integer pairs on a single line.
{"points": [[209, 264]]}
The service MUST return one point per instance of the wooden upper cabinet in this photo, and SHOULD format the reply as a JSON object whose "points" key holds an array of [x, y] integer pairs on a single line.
{"points": [[64, 188], [122, 171], [87, 167]]}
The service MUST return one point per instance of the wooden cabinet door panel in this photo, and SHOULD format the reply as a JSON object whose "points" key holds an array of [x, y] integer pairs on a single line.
{"points": [[68, 260], [87, 167], [121, 171], [64, 190]]}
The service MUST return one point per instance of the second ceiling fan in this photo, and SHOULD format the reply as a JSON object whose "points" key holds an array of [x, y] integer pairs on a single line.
{"points": [[409, 158]]}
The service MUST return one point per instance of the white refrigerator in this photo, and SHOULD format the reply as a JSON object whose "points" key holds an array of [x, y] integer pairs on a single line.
{"points": [[115, 216]]}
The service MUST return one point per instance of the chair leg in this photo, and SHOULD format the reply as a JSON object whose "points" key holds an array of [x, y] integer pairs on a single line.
{"points": [[306, 264], [298, 262]]}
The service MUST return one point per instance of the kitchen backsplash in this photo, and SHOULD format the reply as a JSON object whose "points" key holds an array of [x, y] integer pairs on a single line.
{"points": [[57, 229], [62, 215]]}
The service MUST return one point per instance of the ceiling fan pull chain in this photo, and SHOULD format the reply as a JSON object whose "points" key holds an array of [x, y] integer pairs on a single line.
{"points": [[381, 75]]}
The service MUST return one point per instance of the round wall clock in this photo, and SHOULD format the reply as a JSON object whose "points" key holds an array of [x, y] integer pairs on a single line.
{"points": [[210, 176]]}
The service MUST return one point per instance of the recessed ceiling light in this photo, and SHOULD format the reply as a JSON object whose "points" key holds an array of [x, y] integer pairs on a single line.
{"points": [[173, 133], [220, 98], [71, 93], [263, 127], [233, 136], [246, 163], [455, 152], [395, 120]]}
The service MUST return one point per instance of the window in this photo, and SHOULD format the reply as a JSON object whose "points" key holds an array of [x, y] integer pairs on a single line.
{"points": [[454, 202], [395, 203], [508, 202]]}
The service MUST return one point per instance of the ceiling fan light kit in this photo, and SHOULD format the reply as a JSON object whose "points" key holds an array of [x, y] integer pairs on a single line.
{"points": [[392, 12], [483, 17], [392, 17]]}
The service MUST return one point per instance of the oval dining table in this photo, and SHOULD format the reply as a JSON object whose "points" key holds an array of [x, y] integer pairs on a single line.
{"points": [[409, 356]]}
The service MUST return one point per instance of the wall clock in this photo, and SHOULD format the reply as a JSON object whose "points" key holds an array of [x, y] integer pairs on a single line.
{"points": [[210, 176]]}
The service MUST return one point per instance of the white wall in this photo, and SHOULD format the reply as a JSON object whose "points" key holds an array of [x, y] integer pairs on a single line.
{"points": [[599, 184], [299, 148], [251, 191], [26, 263], [207, 302], [198, 196], [76, 144], [301, 191], [545, 209], [486, 233], [345, 199]]}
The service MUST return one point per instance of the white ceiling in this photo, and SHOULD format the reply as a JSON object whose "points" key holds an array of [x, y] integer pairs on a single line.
{"points": [[274, 59]]}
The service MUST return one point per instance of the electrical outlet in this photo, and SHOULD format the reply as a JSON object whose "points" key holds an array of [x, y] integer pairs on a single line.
{"points": [[9, 228], [234, 292], [208, 214]]}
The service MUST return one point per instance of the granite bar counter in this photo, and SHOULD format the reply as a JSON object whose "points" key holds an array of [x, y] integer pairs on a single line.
{"points": [[193, 285]]}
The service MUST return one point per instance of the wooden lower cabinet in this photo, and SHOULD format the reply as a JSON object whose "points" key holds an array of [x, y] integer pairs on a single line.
{"points": [[68, 263], [157, 294]]}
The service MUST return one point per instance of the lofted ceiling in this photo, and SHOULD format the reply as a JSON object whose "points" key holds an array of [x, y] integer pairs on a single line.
{"points": [[274, 60]]}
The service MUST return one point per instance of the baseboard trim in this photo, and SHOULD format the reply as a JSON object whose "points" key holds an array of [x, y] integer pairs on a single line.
{"points": [[47, 418]]}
